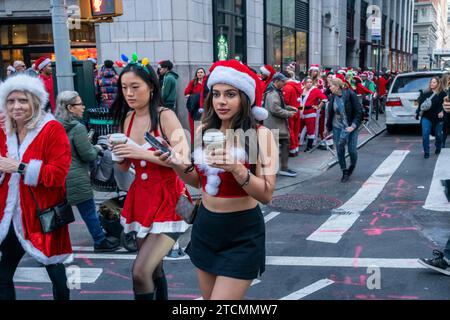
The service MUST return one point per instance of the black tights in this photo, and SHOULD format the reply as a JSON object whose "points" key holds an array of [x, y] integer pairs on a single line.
{"points": [[11, 254]]}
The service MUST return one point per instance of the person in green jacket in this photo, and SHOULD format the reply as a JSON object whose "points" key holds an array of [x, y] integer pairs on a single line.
{"points": [[69, 111], [169, 88]]}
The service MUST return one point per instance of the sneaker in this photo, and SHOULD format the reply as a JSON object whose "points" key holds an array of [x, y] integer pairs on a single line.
{"points": [[437, 264], [350, 170], [287, 173], [292, 154], [107, 245], [322, 147], [426, 155]]}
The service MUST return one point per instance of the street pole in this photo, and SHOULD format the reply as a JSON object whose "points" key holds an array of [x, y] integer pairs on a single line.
{"points": [[61, 41], [378, 77]]}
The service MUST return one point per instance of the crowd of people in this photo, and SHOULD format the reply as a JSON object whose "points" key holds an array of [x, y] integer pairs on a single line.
{"points": [[42, 152]]}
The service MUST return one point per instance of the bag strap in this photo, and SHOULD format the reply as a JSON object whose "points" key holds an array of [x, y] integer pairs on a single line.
{"points": [[34, 198], [160, 126]]}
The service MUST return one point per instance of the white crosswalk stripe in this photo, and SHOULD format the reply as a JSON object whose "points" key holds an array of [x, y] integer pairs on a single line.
{"points": [[345, 216], [85, 275], [316, 286], [436, 199]]}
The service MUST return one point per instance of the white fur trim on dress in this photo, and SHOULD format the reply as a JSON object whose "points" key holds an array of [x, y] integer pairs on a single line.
{"points": [[156, 227], [13, 214], [23, 82], [32, 172], [260, 113], [235, 78], [264, 71], [2, 177]]}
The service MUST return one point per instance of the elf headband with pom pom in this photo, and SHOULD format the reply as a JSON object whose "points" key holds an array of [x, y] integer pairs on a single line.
{"points": [[134, 61], [238, 75]]}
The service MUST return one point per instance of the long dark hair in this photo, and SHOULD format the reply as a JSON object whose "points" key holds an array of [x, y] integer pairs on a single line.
{"points": [[195, 76], [120, 108]]}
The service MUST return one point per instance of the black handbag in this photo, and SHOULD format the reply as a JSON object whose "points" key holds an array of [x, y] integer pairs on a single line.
{"points": [[186, 209], [55, 217]]}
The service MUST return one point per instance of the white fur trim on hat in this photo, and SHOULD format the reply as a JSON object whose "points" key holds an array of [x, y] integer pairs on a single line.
{"points": [[22, 83], [260, 113], [44, 63], [264, 71], [235, 78]]}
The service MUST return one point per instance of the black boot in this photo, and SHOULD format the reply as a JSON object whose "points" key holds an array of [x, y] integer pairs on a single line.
{"points": [[161, 292], [345, 176], [309, 145], [351, 169], [144, 296]]}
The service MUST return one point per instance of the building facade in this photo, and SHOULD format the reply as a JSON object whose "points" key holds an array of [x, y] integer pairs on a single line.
{"points": [[430, 32], [26, 32]]}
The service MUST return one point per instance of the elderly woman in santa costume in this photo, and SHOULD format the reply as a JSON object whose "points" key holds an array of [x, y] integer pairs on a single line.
{"points": [[34, 158], [228, 235]]}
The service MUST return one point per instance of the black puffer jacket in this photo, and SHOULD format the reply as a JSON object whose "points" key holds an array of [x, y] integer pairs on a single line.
{"points": [[353, 111], [436, 106]]}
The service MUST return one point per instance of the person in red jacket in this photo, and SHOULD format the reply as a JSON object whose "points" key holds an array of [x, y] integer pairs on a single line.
{"points": [[195, 86], [382, 91], [44, 67], [312, 99], [292, 91]]}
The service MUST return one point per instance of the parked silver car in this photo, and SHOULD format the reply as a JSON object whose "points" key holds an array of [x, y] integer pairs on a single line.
{"points": [[401, 103]]}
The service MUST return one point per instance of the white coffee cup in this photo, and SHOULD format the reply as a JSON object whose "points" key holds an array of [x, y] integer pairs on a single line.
{"points": [[214, 140], [116, 139]]}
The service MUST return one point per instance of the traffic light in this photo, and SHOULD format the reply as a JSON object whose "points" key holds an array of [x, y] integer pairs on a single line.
{"points": [[97, 9]]}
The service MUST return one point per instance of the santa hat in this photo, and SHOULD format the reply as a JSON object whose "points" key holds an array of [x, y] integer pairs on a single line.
{"points": [[238, 75], [40, 63], [342, 71], [342, 78], [267, 70], [23, 82], [313, 67], [357, 78]]}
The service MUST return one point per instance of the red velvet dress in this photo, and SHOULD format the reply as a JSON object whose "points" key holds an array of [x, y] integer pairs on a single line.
{"points": [[152, 198]]}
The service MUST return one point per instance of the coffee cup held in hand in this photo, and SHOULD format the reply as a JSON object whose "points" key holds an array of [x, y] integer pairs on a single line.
{"points": [[116, 139], [214, 141]]}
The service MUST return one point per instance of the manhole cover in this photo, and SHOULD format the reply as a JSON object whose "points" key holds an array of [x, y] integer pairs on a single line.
{"points": [[303, 202]]}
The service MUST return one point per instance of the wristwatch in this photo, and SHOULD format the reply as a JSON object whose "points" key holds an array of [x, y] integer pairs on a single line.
{"points": [[21, 167]]}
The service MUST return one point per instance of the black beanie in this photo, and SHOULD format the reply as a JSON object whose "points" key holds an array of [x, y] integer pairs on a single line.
{"points": [[108, 63], [166, 64]]}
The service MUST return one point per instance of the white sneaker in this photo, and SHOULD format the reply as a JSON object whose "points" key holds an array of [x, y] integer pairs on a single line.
{"points": [[288, 173]]}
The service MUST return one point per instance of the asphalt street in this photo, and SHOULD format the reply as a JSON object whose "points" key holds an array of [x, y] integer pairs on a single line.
{"points": [[365, 250]]}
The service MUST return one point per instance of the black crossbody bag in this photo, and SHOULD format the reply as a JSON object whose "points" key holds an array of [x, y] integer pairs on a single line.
{"points": [[55, 217]]}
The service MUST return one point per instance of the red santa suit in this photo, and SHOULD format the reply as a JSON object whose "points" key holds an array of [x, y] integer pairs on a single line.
{"points": [[48, 83], [308, 113], [152, 198], [46, 150], [292, 91]]}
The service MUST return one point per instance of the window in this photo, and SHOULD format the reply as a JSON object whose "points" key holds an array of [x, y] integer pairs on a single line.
{"points": [[287, 24], [412, 83], [230, 39], [416, 14], [363, 24]]}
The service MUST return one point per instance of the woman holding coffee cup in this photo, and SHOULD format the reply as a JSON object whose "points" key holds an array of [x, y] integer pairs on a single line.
{"points": [[228, 235], [149, 207]]}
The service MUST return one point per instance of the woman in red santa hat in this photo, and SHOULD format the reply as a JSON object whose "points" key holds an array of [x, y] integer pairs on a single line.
{"points": [[228, 235], [34, 161], [312, 99], [314, 73], [149, 208]]}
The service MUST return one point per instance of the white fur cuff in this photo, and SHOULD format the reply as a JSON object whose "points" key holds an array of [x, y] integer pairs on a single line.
{"points": [[32, 173], [2, 177]]}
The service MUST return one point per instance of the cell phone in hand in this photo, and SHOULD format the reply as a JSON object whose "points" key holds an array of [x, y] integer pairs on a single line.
{"points": [[155, 143]]}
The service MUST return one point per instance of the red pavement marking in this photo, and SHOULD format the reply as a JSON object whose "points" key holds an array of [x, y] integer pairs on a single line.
{"points": [[374, 221], [404, 297], [379, 231], [27, 288], [369, 297], [128, 292], [184, 296]]}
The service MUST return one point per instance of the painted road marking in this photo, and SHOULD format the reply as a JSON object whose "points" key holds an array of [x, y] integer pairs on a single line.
{"points": [[436, 199], [343, 218], [343, 262], [256, 281], [271, 216], [296, 261], [316, 286], [88, 275]]}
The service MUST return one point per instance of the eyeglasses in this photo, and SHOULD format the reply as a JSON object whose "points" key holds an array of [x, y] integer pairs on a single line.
{"points": [[76, 104]]}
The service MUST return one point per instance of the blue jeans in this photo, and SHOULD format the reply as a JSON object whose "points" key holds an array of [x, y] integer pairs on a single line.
{"points": [[447, 250], [426, 131], [352, 143], [89, 214]]}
